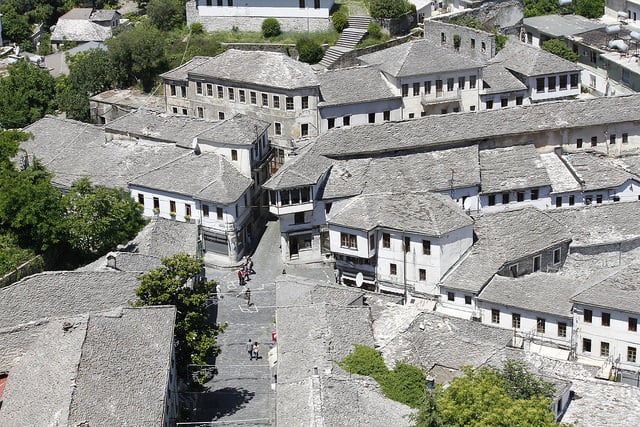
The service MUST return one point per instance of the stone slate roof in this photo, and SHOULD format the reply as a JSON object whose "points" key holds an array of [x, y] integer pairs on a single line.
{"points": [[353, 86], [132, 98], [436, 339], [532, 292], [125, 361], [503, 238], [532, 61], [427, 214], [163, 238], [72, 150], [207, 176], [562, 180], [64, 293], [181, 73], [561, 25], [162, 127], [419, 57], [125, 261], [445, 129], [618, 292], [269, 69], [597, 171], [497, 79], [303, 170], [77, 26], [439, 170], [601, 224], [292, 290], [238, 130], [512, 168]]}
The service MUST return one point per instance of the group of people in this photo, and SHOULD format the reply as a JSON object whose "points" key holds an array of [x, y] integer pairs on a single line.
{"points": [[253, 349], [245, 271]]}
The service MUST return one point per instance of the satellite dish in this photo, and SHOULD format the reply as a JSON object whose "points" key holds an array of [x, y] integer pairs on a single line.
{"points": [[359, 279]]}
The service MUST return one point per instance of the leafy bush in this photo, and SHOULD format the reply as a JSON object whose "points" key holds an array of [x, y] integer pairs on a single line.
{"points": [[309, 51], [271, 28], [374, 30], [590, 8], [469, 22], [558, 47], [389, 8], [365, 361], [197, 28], [340, 21], [405, 384]]}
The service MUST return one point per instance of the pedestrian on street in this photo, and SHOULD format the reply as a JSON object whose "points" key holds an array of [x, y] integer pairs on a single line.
{"points": [[218, 291], [250, 266], [250, 349], [247, 296], [256, 350], [240, 278], [245, 273]]}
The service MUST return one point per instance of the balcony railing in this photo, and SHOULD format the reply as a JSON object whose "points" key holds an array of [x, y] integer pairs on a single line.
{"points": [[445, 96]]}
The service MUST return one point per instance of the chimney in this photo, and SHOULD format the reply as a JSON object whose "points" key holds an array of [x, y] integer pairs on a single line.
{"points": [[111, 261]]}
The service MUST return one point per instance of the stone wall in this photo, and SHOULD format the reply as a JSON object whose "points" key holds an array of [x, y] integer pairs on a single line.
{"points": [[350, 59], [398, 26], [504, 15], [434, 31]]}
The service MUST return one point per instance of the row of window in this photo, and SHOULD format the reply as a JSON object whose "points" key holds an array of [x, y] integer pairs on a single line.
{"points": [[422, 273], [371, 118], [556, 82], [457, 42], [534, 194], [173, 205], [290, 197], [594, 140], [301, 3], [605, 320], [349, 241], [438, 86], [504, 102], [273, 101], [541, 323], [605, 348]]}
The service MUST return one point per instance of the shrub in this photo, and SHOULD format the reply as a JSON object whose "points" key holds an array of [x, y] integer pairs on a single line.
{"points": [[309, 51], [197, 28], [560, 48], [405, 384], [389, 8], [374, 30], [365, 361], [271, 28], [340, 21]]}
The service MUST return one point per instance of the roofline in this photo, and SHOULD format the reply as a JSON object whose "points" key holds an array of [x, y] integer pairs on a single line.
{"points": [[569, 316], [197, 76], [380, 226], [612, 308], [322, 104]]}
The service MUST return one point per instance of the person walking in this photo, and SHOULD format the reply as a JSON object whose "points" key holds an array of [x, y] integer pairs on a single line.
{"points": [[250, 265], [250, 349], [240, 278], [247, 296], [256, 350]]}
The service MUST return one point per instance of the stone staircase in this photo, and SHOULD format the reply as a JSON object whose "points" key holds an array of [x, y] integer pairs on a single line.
{"points": [[350, 37]]}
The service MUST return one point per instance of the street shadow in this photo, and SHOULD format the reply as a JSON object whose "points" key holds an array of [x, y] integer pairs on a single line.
{"points": [[222, 402]]}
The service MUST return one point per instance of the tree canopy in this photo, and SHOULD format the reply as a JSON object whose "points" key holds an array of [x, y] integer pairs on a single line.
{"points": [[589, 8], [166, 15], [195, 334], [560, 48], [389, 8]]}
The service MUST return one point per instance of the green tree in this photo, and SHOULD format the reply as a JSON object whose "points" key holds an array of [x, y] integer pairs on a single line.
{"points": [[405, 384], [26, 95], [429, 413], [98, 218], [560, 48], [195, 334], [9, 143], [522, 384], [166, 14], [389, 8], [309, 50], [137, 55], [589, 8], [340, 21], [271, 28], [11, 254], [540, 7], [15, 27]]}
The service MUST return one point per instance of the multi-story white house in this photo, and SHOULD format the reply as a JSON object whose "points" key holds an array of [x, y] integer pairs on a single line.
{"points": [[225, 15], [501, 89], [376, 243]]}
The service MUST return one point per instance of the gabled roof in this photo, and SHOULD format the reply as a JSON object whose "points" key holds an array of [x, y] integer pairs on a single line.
{"points": [[502, 238], [561, 25], [181, 72], [597, 171], [512, 168], [497, 79], [304, 170], [419, 57], [619, 292], [428, 214], [532, 61], [270, 69], [238, 130], [207, 176], [77, 25], [562, 180], [353, 86]]}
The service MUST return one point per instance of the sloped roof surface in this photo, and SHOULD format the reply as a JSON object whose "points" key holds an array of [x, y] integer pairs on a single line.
{"points": [[499, 80], [532, 61], [353, 86], [512, 168]]}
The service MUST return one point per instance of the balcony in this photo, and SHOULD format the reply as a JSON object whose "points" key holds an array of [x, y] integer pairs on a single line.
{"points": [[443, 97]]}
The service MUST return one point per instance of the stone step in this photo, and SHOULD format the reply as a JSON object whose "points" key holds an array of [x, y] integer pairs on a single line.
{"points": [[361, 22]]}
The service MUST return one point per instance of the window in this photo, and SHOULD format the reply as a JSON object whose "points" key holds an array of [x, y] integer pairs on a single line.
{"points": [[276, 102], [540, 84], [221, 115], [393, 269], [427, 87], [558, 201], [606, 319], [556, 256], [541, 325], [372, 242], [505, 198], [489, 104], [443, 38], [422, 274], [426, 247], [451, 296], [209, 89], [183, 91], [633, 324], [461, 82], [220, 90], [205, 211], [625, 138], [141, 198], [495, 316], [604, 349], [612, 138], [327, 207], [416, 89], [450, 85], [579, 143], [234, 155], [407, 244], [386, 240], [405, 90], [534, 194], [346, 121], [187, 209], [173, 90], [574, 81], [588, 200], [277, 128], [536, 263], [515, 320], [514, 270], [519, 100], [587, 315], [316, 4], [472, 82], [473, 43], [520, 196], [631, 354], [551, 82], [443, 111], [175, 110], [304, 129], [483, 46], [301, 4], [563, 82], [156, 203], [265, 100], [562, 329], [172, 206], [305, 102], [386, 116], [586, 345], [199, 88], [467, 299], [504, 102], [372, 117], [289, 103], [253, 97], [492, 200], [572, 200], [598, 198], [298, 218], [200, 112], [184, 111], [412, 115], [219, 214], [331, 123]]}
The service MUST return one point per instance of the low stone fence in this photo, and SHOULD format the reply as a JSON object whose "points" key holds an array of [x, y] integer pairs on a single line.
{"points": [[33, 266]]}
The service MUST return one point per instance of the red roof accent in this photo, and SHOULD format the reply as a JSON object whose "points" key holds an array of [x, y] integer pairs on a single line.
{"points": [[3, 381]]}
